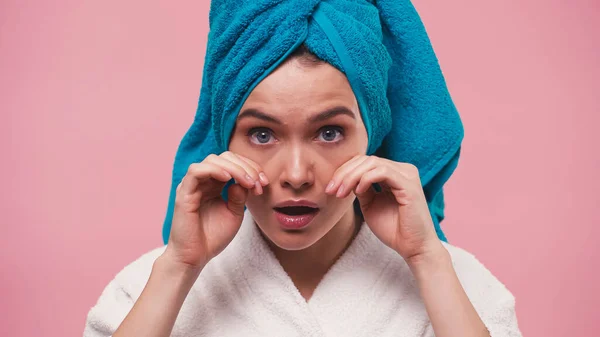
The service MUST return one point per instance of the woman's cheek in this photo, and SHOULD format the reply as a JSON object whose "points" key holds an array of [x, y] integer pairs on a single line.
{"points": [[337, 155]]}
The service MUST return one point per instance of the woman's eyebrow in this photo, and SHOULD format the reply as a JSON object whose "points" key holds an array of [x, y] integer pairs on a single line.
{"points": [[330, 113], [258, 114], [325, 115]]}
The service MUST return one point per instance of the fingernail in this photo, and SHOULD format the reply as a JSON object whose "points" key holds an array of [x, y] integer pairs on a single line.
{"points": [[263, 177], [330, 186], [340, 191], [249, 178]]}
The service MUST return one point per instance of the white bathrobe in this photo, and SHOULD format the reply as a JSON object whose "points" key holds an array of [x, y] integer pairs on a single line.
{"points": [[244, 291]]}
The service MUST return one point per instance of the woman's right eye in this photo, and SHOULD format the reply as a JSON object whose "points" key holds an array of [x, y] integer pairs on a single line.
{"points": [[260, 136]]}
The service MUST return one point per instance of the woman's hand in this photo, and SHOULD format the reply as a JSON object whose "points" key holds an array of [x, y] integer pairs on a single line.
{"points": [[398, 215], [203, 223]]}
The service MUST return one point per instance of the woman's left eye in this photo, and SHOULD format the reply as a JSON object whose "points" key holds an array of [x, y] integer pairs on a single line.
{"points": [[329, 133]]}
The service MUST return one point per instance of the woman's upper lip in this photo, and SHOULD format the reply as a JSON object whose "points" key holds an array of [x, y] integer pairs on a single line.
{"points": [[291, 203]]}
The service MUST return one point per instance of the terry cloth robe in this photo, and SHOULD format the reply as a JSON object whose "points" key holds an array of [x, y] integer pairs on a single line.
{"points": [[244, 291]]}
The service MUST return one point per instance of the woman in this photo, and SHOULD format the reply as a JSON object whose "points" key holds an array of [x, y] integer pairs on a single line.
{"points": [[309, 115]]}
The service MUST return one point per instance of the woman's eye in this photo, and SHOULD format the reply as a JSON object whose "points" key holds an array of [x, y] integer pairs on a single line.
{"points": [[329, 133], [260, 136]]}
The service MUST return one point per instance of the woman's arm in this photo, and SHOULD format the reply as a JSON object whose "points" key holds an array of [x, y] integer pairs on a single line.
{"points": [[155, 311], [449, 309]]}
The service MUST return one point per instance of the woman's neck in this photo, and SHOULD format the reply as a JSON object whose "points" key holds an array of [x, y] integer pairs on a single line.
{"points": [[307, 267]]}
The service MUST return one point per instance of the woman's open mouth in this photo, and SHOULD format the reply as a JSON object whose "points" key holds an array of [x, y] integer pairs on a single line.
{"points": [[295, 217]]}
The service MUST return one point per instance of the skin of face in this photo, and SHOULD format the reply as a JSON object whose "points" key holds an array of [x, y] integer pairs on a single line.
{"points": [[298, 154]]}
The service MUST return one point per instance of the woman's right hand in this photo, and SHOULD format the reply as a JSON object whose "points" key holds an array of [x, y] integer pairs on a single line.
{"points": [[203, 223]]}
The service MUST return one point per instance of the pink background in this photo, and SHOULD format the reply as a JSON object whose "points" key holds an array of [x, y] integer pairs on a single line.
{"points": [[95, 97]]}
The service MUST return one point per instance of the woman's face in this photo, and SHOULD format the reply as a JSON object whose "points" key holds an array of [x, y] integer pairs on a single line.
{"points": [[299, 124]]}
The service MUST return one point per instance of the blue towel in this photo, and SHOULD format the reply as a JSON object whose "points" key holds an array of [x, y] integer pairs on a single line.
{"points": [[381, 46]]}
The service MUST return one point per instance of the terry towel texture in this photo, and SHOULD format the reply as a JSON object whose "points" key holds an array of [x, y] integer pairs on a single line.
{"points": [[244, 291], [381, 46]]}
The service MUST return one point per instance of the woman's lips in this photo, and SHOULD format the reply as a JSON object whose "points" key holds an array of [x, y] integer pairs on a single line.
{"points": [[295, 221]]}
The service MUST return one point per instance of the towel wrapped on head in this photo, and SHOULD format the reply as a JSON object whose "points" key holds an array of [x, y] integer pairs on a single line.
{"points": [[382, 48]]}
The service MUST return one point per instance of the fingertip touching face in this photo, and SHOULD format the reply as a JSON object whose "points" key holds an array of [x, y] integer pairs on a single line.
{"points": [[300, 124]]}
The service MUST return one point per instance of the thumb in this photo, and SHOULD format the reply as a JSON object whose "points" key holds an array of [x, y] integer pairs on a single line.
{"points": [[236, 199], [365, 199]]}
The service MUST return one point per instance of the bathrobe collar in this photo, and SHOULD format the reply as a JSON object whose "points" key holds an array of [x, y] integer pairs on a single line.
{"points": [[346, 290]]}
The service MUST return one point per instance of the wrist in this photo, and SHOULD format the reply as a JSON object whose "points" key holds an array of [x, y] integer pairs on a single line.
{"points": [[434, 258], [167, 265]]}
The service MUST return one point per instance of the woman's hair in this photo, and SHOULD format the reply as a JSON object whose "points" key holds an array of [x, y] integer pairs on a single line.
{"points": [[305, 56]]}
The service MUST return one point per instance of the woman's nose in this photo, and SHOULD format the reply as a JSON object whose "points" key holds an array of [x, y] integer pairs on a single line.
{"points": [[298, 169]]}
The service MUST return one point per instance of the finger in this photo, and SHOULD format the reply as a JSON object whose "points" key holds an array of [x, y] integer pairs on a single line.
{"points": [[367, 179], [262, 177], [351, 178], [406, 169], [258, 189], [365, 199], [402, 188], [236, 199], [241, 176], [338, 175], [250, 169], [200, 171]]}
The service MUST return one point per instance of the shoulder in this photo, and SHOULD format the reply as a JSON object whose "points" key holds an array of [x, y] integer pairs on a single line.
{"points": [[490, 297], [477, 280], [119, 295], [124, 289], [480, 284], [134, 276]]}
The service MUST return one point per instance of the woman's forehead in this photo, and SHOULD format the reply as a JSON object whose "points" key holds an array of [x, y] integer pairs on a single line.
{"points": [[293, 85]]}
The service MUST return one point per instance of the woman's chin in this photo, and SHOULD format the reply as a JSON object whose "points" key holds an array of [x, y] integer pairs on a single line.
{"points": [[288, 239]]}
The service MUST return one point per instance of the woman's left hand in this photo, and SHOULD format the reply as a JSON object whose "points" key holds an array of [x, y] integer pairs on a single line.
{"points": [[398, 215]]}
